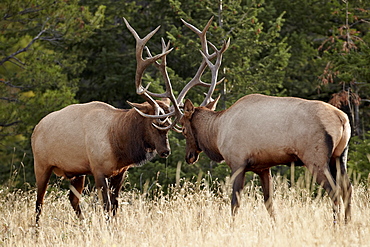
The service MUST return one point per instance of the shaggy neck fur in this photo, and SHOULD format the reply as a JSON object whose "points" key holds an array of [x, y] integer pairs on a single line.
{"points": [[129, 140], [205, 127]]}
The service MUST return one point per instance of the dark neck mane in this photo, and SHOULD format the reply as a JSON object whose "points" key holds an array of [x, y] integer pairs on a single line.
{"points": [[128, 140]]}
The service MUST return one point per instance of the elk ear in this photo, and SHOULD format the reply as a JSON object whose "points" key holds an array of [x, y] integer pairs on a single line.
{"points": [[143, 108], [188, 108], [212, 105], [167, 101]]}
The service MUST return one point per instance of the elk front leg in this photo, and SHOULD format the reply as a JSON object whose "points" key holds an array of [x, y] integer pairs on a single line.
{"points": [[115, 187], [267, 187], [102, 187], [238, 175], [77, 185]]}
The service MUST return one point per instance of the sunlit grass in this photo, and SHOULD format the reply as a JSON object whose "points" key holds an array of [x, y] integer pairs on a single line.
{"points": [[193, 214]]}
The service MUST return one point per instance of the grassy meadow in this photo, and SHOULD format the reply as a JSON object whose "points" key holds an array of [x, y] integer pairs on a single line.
{"points": [[192, 214]]}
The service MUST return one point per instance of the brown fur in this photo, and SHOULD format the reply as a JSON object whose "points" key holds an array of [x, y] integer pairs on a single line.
{"points": [[130, 151], [259, 132], [94, 138]]}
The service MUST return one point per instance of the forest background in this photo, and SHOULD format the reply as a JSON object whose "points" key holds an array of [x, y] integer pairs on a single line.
{"points": [[57, 52]]}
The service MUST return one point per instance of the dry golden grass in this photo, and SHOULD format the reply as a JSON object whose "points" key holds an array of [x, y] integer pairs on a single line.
{"points": [[188, 216]]}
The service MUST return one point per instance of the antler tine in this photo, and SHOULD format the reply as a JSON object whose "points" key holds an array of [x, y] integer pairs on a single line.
{"points": [[169, 92], [148, 115], [202, 35], [172, 125], [196, 80], [214, 69], [142, 64]]}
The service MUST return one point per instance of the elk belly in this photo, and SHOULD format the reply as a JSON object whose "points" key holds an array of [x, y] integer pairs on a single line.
{"points": [[269, 157]]}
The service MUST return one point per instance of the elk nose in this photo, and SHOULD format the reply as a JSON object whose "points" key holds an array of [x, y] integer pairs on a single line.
{"points": [[191, 158], [165, 154]]}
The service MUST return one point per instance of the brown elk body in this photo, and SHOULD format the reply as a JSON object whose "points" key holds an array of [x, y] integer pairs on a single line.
{"points": [[259, 132], [94, 138]]}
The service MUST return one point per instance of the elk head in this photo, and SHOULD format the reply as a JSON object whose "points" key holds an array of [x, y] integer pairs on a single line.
{"points": [[192, 145], [155, 138], [163, 118], [155, 113]]}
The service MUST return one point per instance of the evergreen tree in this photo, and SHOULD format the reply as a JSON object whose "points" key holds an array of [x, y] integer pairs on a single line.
{"points": [[54, 53], [38, 71], [255, 61]]}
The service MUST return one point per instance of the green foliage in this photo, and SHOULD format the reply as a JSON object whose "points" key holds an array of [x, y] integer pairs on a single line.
{"points": [[330, 47], [347, 48], [306, 24], [54, 53], [257, 56], [39, 70], [359, 155]]}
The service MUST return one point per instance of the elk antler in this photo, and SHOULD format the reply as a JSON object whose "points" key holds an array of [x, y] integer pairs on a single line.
{"points": [[142, 64], [214, 69], [206, 61], [175, 110]]}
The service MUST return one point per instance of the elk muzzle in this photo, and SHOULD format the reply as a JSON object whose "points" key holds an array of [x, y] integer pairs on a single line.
{"points": [[192, 157], [164, 153], [163, 149]]}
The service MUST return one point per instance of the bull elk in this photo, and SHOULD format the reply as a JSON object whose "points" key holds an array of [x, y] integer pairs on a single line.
{"points": [[99, 139], [259, 132]]}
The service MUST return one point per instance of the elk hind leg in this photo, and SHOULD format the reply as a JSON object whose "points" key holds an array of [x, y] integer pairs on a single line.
{"points": [[317, 159], [77, 185], [325, 179], [338, 169]]}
